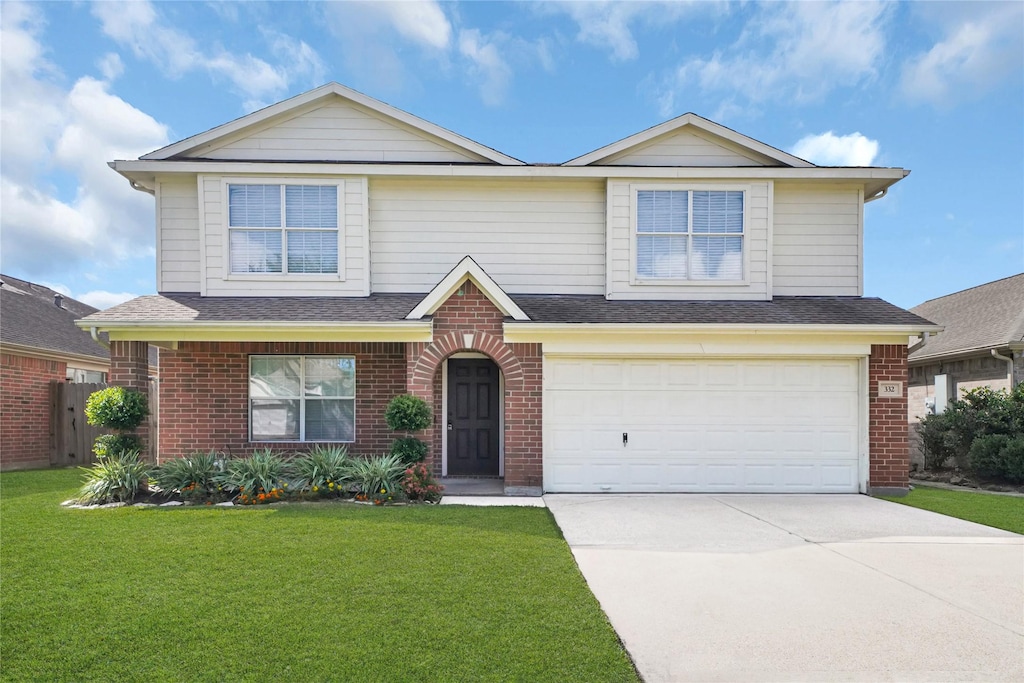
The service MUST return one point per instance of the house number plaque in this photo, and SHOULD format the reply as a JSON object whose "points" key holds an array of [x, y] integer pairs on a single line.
{"points": [[890, 389]]}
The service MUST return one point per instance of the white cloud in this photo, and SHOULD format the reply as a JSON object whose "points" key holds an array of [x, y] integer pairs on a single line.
{"points": [[111, 66], [608, 25], [978, 51], [486, 65], [422, 21], [137, 26], [102, 299], [797, 51], [829, 149], [81, 129]]}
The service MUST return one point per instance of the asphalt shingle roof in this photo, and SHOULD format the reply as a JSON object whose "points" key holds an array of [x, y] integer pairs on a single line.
{"points": [[185, 308], [29, 317], [983, 317]]}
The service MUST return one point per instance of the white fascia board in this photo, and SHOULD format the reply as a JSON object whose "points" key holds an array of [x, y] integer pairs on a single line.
{"points": [[695, 121], [322, 92], [147, 169], [536, 332], [467, 269], [274, 330]]}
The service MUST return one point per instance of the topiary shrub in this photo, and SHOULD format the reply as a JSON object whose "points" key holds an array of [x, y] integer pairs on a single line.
{"points": [[109, 444], [117, 408], [407, 413]]}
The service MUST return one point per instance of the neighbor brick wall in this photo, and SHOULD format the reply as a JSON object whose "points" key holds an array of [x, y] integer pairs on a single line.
{"points": [[204, 390], [25, 410], [469, 311], [889, 456]]}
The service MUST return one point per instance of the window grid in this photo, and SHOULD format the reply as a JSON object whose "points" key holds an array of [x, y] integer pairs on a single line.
{"points": [[294, 214], [673, 221], [302, 397]]}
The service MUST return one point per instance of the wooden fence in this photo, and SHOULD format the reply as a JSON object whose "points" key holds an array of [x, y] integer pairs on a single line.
{"points": [[71, 435]]}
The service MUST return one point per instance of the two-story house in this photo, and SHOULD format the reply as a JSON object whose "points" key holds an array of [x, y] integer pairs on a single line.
{"points": [[681, 310]]}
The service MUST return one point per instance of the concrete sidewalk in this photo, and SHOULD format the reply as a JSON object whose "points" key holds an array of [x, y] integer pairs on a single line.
{"points": [[787, 588]]}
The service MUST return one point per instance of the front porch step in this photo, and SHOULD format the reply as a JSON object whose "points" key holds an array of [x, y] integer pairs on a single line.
{"points": [[473, 486]]}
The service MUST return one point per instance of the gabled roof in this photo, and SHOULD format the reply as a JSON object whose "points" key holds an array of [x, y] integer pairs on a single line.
{"points": [[466, 269], [282, 109], [990, 316], [32, 320], [698, 123]]}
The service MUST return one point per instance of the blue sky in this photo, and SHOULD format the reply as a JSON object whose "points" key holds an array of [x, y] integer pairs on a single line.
{"points": [[937, 88]]}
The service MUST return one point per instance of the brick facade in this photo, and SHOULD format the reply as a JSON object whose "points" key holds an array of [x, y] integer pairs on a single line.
{"points": [[25, 416], [889, 455], [204, 393], [468, 321]]}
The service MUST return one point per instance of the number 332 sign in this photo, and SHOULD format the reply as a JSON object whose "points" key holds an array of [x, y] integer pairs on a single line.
{"points": [[890, 389]]}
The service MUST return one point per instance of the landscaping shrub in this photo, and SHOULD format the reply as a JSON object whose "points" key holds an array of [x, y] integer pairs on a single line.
{"points": [[409, 450], [1013, 460], [324, 470], [194, 477], [985, 456], [117, 408], [263, 477], [107, 444], [378, 474], [116, 478], [408, 413], [419, 484]]}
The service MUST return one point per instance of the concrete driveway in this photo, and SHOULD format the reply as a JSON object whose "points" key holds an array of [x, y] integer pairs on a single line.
{"points": [[787, 588]]}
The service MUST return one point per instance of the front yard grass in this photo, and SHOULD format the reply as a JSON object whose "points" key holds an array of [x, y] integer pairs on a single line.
{"points": [[293, 592], [1002, 512]]}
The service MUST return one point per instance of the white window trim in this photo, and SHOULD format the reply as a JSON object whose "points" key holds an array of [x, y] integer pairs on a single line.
{"points": [[339, 183], [688, 187], [302, 397]]}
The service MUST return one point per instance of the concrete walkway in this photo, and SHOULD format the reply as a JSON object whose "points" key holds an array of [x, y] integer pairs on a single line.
{"points": [[800, 588]]}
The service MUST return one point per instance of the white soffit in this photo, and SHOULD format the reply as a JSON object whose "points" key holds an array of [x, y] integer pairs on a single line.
{"points": [[467, 269]]}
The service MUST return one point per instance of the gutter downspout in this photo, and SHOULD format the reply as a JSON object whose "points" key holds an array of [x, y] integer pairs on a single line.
{"points": [[94, 332], [1009, 364]]}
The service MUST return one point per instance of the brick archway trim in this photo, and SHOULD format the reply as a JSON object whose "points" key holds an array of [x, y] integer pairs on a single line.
{"points": [[481, 342]]}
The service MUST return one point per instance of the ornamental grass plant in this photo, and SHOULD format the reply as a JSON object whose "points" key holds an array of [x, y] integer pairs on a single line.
{"points": [[115, 478], [325, 470]]}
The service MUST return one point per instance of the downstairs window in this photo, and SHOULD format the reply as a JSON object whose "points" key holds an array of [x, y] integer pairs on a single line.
{"points": [[302, 398]]}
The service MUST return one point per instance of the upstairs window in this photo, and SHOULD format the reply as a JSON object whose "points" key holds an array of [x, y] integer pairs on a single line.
{"points": [[689, 234], [283, 228]]}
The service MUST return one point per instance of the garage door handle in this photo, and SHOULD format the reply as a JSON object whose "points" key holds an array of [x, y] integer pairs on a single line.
{"points": [[625, 438]]}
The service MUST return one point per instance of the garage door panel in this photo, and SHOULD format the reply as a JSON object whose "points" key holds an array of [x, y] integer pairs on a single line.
{"points": [[721, 425]]}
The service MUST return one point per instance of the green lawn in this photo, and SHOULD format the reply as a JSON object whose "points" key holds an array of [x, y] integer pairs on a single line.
{"points": [[296, 592], [1002, 512]]}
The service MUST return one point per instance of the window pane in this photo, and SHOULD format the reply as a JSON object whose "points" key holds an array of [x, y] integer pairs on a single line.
{"points": [[254, 206], [330, 420], [718, 258], [311, 206], [275, 420], [312, 251], [274, 376], [717, 211], [662, 211], [661, 257], [255, 251], [333, 377]]}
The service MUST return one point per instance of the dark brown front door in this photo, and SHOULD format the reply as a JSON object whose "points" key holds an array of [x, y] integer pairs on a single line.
{"points": [[473, 422]]}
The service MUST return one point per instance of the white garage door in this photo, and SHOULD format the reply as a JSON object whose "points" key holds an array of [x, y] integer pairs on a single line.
{"points": [[700, 425]]}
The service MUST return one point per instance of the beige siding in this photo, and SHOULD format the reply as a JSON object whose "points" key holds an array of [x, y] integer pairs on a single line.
{"points": [[178, 213], [530, 236], [817, 236], [352, 249], [620, 230], [686, 148], [339, 131]]}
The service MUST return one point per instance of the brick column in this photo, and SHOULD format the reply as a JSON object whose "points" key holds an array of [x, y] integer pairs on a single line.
{"points": [[129, 368], [888, 451]]}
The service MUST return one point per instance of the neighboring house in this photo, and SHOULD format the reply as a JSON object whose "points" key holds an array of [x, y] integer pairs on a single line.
{"points": [[681, 310], [982, 344], [39, 344]]}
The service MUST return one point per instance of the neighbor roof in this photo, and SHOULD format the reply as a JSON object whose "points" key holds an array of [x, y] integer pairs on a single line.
{"points": [[31, 319], [541, 308], [989, 316]]}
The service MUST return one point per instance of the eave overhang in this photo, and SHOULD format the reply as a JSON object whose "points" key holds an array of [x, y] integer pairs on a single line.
{"points": [[265, 331]]}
